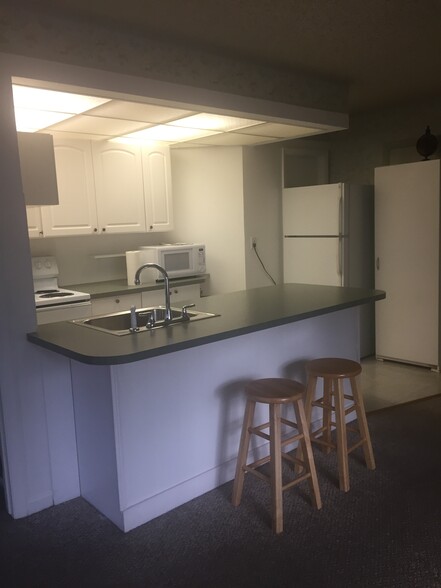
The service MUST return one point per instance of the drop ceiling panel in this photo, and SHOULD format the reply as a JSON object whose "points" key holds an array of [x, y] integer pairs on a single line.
{"points": [[279, 131], [228, 139], [148, 113], [84, 123], [83, 136]]}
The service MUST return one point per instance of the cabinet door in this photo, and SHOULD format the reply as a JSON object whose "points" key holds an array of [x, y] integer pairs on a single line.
{"points": [[185, 293], [407, 250], [76, 211], [35, 227], [115, 303], [119, 187], [178, 294], [157, 188]]}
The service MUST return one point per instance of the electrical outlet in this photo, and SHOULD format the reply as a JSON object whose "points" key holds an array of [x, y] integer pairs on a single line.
{"points": [[253, 242]]}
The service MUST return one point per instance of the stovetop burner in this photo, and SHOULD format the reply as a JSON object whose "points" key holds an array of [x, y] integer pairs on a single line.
{"points": [[46, 289], [56, 294]]}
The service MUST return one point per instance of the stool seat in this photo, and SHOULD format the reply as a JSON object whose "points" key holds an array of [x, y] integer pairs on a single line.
{"points": [[333, 367], [276, 392], [333, 371]]}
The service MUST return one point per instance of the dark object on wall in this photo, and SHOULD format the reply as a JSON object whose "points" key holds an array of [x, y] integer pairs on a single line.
{"points": [[427, 144]]}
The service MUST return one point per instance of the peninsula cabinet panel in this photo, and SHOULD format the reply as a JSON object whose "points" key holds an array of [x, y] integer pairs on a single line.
{"points": [[76, 212], [119, 187], [407, 244], [157, 188]]}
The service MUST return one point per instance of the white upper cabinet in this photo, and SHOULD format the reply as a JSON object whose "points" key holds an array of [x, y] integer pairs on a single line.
{"points": [[119, 187], [76, 213], [157, 188], [107, 187], [35, 227]]}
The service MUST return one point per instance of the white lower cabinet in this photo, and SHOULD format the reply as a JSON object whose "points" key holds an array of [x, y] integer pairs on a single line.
{"points": [[178, 294], [115, 303]]}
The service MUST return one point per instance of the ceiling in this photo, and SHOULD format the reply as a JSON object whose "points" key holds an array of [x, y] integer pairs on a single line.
{"points": [[75, 115], [387, 51]]}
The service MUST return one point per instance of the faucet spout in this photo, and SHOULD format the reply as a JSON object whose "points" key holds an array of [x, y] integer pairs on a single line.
{"points": [[168, 315]]}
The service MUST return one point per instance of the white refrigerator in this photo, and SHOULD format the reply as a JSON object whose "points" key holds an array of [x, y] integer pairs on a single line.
{"points": [[407, 244], [328, 239]]}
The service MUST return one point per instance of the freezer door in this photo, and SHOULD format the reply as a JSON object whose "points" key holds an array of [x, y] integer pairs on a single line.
{"points": [[313, 260], [313, 210]]}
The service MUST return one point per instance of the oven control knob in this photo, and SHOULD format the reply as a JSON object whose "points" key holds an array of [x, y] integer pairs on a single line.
{"points": [[38, 265], [47, 264]]}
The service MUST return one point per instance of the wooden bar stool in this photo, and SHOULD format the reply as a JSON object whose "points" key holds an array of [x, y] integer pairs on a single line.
{"points": [[275, 392], [334, 371]]}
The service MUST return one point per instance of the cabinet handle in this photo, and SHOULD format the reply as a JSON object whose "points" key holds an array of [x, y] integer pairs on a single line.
{"points": [[104, 230], [151, 227], [95, 230], [117, 300], [40, 233]]}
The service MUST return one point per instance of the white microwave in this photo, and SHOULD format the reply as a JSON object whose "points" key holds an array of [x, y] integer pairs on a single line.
{"points": [[179, 259]]}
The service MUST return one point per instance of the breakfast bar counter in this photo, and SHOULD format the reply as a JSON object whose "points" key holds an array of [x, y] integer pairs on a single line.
{"points": [[158, 413], [241, 312]]}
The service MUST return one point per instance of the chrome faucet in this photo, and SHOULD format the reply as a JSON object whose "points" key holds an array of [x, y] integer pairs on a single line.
{"points": [[168, 314]]}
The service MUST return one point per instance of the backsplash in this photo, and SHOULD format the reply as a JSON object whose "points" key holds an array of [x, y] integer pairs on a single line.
{"points": [[78, 257]]}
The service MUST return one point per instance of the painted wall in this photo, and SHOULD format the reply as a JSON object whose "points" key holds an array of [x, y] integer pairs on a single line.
{"points": [[208, 208], [42, 34], [379, 138], [263, 214]]}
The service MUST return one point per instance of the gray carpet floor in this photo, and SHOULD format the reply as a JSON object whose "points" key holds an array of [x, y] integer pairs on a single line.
{"points": [[385, 532]]}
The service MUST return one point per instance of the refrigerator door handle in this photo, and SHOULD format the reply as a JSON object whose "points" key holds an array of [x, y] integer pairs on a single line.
{"points": [[340, 216], [377, 263], [340, 254]]}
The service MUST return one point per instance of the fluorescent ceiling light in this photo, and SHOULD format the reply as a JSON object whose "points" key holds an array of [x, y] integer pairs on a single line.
{"points": [[29, 121], [169, 133], [52, 100], [214, 122]]}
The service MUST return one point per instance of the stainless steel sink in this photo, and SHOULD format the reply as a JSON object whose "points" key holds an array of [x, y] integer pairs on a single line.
{"points": [[147, 319]]}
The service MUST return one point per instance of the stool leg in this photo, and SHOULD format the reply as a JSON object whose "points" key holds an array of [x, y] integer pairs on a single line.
{"points": [[276, 467], [327, 412], [310, 393], [243, 452], [342, 443], [303, 429], [362, 423]]}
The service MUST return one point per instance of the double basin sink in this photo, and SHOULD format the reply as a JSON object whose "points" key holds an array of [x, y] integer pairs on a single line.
{"points": [[144, 319]]}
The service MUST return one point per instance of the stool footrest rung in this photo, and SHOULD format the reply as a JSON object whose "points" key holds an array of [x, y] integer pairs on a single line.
{"points": [[297, 480], [358, 444], [322, 442], [251, 468], [257, 473]]}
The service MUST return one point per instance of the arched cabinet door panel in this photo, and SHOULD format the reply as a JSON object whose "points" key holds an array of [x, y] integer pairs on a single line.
{"points": [[76, 212], [157, 188], [119, 187]]}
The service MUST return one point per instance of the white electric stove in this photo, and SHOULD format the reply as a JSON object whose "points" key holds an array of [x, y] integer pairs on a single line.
{"points": [[52, 302]]}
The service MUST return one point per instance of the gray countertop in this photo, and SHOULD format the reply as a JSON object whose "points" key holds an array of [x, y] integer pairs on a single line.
{"points": [[120, 287], [240, 312]]}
